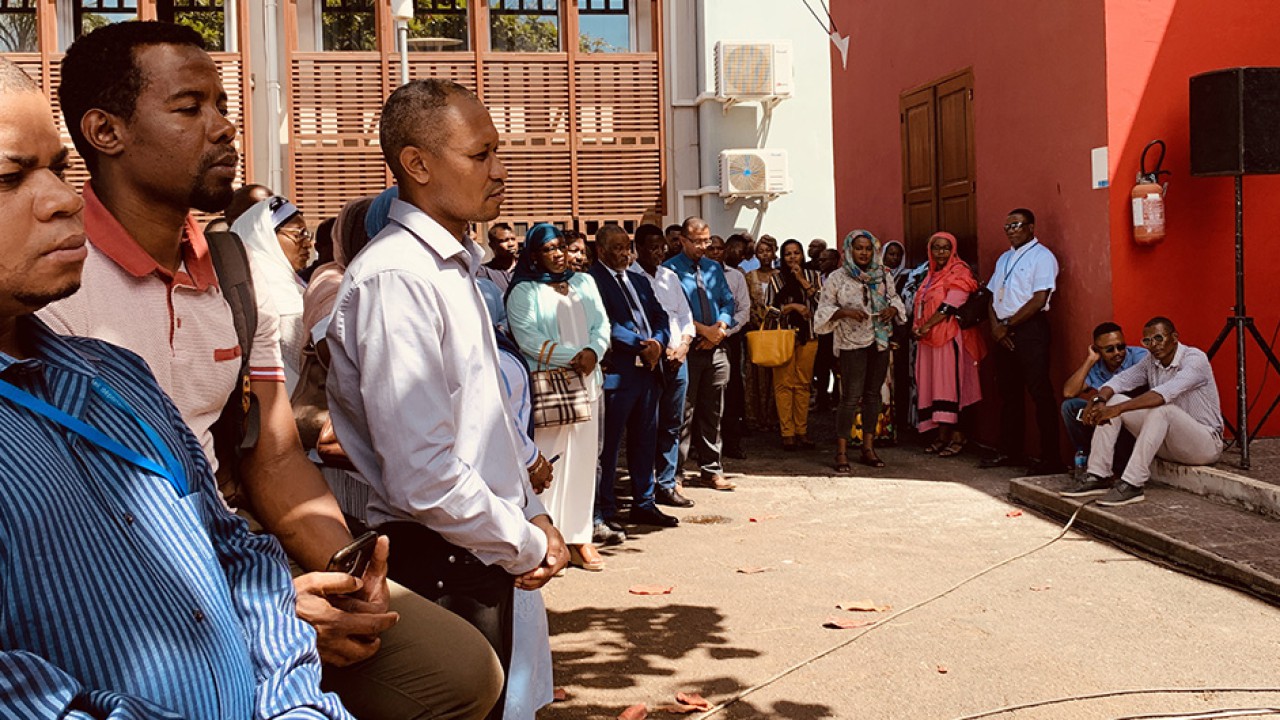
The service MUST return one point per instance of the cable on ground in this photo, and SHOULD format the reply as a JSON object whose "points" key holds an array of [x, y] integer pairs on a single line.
{"points": [[1123, 693], [814, 658]]}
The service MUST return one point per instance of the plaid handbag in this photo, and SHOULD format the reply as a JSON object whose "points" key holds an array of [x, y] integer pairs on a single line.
{"points": [[560, 395]]}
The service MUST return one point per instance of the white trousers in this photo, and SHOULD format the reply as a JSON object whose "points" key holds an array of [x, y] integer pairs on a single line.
{"points": [[1166, 432]]}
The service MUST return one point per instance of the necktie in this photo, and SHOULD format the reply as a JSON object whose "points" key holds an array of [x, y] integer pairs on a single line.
{"points": [[635, 309], [704, 300]]}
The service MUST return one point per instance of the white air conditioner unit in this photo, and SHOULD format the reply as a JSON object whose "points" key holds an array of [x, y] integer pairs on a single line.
{"points": [[754, 70], [753, 173]]}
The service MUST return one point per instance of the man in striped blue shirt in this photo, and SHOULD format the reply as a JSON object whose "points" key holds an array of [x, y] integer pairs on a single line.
{"points": [[129, 590]]}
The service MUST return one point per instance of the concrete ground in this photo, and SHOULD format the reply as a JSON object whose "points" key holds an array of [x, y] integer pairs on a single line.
{"points": [[1077, 617]]}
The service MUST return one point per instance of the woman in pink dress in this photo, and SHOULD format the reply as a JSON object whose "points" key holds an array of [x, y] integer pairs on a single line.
{"points": [[947, 356]]}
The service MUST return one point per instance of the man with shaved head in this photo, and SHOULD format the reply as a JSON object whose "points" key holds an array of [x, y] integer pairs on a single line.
{"points": [[140, 594], [415, 391], [711, 300]]}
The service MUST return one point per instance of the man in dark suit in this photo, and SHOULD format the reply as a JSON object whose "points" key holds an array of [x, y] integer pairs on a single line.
{"points": [[633, 376]]}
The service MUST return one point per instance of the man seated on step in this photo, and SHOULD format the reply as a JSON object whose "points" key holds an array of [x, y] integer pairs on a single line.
{"points": [[1108, 355], [1178, 419]]}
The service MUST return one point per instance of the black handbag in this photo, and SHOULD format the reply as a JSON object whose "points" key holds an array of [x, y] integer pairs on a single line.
{"points": [[974, 310]]}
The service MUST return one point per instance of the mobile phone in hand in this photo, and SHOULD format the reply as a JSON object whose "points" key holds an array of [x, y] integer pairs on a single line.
{"points": [[354, 558]]}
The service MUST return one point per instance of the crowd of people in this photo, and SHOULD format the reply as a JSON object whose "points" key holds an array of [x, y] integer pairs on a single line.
{"points": [[255, 472]]}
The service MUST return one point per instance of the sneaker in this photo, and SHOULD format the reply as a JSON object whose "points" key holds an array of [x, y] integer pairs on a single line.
{"points": [[602, 534], [1087, 486], [1123, 494]]}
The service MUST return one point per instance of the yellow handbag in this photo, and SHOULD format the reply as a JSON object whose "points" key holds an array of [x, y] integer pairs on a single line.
{"points": [[771, 348]]}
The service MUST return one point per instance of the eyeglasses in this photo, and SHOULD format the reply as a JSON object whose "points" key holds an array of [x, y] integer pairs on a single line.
{"points": [[1111, 348], [1154, 340], [297, 237], [1008, 227]]}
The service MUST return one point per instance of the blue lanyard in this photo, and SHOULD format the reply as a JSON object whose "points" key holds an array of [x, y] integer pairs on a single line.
{"points": [[1014, 264], [171, 471]]}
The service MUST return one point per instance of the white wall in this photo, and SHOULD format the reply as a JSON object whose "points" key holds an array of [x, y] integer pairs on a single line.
{"points": [[801, 125]]}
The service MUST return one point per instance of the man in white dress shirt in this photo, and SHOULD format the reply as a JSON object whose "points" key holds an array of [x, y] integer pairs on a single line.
{"points": [[415, 390], [1025, 277], [1178, 419], [651, 248]]}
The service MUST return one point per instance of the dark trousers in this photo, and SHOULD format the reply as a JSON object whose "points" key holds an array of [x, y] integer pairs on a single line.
{"points": [[703, 406], [1025, 369], [862, 374], [456, 580], [823, 368], [735, 395], [632, 408], [675, 384]]}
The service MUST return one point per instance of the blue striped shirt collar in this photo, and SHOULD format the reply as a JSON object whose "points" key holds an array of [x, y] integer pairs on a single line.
{"points": [[49, 348]]}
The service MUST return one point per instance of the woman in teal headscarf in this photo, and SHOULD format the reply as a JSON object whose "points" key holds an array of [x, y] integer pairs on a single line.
{"points": [[859, 306], [557, 315]]}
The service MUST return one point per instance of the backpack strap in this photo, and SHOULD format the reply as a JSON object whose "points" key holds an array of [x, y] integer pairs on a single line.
{"points": [[236, 431]]}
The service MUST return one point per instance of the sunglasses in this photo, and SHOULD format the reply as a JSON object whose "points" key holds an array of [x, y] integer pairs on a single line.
{"points": [[1014, 226], [1154, 340], [1111, 348]]}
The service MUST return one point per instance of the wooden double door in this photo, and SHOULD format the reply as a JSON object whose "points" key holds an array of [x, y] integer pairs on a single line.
{"points": [[939, 188]]}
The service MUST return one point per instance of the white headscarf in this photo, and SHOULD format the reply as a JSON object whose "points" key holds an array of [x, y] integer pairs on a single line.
{"points": [[272, 272]]}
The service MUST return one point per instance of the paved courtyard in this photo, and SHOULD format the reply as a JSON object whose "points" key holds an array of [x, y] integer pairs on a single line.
{"points": [[1075, 618]]}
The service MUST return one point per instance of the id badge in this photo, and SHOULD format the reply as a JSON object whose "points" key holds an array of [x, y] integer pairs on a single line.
{"points": [[1000, 295]]}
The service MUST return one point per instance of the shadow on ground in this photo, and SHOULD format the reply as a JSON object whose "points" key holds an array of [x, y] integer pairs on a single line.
{"points": [[627, 644]]}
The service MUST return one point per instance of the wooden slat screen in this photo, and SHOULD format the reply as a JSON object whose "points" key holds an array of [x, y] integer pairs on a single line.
{"points": [[619, 145], [336, 102], [337, 98], [230, 64]]}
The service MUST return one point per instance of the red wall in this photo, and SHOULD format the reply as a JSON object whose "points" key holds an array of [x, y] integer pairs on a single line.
{"points": [[1040, 98], [1153, 47]]}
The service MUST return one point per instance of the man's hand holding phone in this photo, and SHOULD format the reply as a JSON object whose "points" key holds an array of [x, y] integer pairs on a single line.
{"points": [[348, 612]]}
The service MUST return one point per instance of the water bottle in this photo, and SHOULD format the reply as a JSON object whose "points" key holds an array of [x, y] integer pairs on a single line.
{"points": [[1081, 465]]}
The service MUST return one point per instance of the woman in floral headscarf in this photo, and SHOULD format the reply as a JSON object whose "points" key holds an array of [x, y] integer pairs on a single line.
{"points": [[947, 357], [860, 306]]}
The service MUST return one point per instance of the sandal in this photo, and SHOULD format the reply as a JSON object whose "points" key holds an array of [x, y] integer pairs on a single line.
{"points": [[586, 556], [842, 463], [934, 447], [954, 448], [870, 459]]}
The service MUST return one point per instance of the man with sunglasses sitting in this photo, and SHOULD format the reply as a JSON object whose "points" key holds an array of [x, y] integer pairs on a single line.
{"points": [[1178, 419], [1107, 356]]}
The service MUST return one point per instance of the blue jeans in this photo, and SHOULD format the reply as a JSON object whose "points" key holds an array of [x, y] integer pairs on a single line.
{"points": [[670, 420], [1082, 435]]}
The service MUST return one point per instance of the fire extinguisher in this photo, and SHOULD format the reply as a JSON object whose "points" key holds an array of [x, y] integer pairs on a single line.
{"points": [[1147, 198]]}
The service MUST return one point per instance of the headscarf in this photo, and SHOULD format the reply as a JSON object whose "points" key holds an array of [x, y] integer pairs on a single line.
{"points": [[348, 239], [527, 267], [875, 283], [902, 264], [379, 213], [272, 271], [955, 275]]}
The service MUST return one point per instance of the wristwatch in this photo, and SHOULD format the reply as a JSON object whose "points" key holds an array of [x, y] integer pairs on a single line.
{"points": [[1098, 399]]}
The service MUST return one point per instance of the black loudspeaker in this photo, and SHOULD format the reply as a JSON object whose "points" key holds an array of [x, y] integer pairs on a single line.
{"points": [[1235, 122]]}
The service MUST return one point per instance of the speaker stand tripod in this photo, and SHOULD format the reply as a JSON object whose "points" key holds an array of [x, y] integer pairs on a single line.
{"points": [[1241, 323]]}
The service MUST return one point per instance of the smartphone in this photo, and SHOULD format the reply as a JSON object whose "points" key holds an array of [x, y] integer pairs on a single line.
{"points": [[354, 558], [1080, 415]]}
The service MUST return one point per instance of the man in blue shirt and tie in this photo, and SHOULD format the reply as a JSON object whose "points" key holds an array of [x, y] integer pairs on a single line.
{"points": [[711, 299]]}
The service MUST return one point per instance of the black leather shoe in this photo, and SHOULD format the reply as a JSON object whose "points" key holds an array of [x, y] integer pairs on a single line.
{"points": [[654, 516], [602, 534], [672, 498]]}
